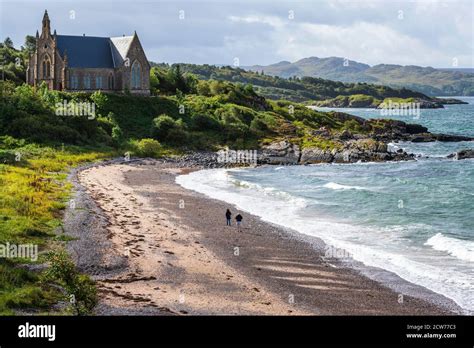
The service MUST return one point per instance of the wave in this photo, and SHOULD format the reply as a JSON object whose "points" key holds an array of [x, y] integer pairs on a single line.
{"points": [[461, 249], [336, 186]]}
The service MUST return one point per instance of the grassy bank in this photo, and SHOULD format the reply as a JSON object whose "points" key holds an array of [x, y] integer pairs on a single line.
{"points": [[33, 194]]}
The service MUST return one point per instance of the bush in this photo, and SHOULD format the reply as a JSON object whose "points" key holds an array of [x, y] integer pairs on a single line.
{"points": [[168, 130], [80, 291], [149, 148], [117, 135], [258, 125], [204, 122]]}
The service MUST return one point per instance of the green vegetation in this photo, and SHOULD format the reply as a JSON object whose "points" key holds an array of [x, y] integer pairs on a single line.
{"points": [[33, 192], [80, 291], [149, 148], [354, 101], [14, 61], [398, 100]]}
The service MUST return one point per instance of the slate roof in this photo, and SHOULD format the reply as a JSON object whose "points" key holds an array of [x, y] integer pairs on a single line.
{"points": [[119, 46], [93, 52]]}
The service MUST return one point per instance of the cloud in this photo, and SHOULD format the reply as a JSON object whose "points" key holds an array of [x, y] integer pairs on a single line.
{"points": [[261, 32]]}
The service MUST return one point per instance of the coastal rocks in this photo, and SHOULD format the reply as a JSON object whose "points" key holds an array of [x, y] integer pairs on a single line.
{"points": [[361, 150], [429, 137], [450, 101], [463, 154], [282, 152], [367, 101], [315, 155]]}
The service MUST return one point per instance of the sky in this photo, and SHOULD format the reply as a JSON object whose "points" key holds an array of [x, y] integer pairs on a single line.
{"points": [[249, 32]]}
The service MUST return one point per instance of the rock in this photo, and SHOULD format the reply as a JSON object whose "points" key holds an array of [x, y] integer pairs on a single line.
{"points": [[463, 154], [447, 137], [447, 101], [412, 128], [316, 155], [323, 131], [345, 135], [282, 152], [422, 138]]}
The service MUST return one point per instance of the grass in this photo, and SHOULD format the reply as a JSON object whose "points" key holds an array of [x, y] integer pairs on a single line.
{"points": [[320, 143], [33, 195], [386, 101]]}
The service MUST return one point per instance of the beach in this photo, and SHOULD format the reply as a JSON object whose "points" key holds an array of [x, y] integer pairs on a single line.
{"points": [[155, 248]]}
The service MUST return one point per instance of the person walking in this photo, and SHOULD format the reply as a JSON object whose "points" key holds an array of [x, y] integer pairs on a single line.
{"points": [[239, 219], [228, 216]]}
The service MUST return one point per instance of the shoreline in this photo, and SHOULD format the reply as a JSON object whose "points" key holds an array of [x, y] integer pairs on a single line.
{"points": [[275, 271]]}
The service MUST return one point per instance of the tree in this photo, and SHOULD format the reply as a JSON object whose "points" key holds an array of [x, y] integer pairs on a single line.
{"points": [[30, 43], [8, 43]]}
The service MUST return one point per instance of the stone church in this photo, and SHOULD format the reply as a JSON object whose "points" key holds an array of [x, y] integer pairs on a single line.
{"points": [[87, 63]]}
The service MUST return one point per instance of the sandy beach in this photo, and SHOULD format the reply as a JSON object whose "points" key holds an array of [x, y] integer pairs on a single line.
{"points": [[155, 248]]}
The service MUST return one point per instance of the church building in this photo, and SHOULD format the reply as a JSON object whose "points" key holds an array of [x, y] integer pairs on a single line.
{"points": [[88, 63]]}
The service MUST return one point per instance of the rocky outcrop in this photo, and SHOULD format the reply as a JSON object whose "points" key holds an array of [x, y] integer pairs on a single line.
{"points": [[315, 155], [449, 101], [366, 101], [281, 152], [429, 137], [360, 150], [463, 154]]}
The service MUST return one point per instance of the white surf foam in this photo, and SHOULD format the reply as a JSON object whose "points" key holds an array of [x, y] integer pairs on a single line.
{"points": [[336, 186], [461, 249]]}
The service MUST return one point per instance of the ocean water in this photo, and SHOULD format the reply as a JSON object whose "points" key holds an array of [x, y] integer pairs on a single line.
{"points": [[415, 219]]}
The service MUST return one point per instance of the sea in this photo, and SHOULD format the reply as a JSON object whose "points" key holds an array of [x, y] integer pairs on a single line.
{"points": [[412, 218]]}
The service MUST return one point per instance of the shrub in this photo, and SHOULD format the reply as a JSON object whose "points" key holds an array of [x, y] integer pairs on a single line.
{"points": [[258, 125], [149, 148], [117, 135], [168, 130], [204, 122], [80, 291]]}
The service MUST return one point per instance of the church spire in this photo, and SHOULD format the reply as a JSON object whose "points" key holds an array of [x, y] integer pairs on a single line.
{"points": [[46, 31]]}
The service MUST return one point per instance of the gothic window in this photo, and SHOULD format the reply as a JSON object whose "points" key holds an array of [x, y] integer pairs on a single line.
{"points": [[111, 81], [74, 82], [136, 75], [87, 82], [46, 68], [98, 82]]}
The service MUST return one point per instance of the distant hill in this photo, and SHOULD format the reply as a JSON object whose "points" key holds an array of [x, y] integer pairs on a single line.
{"points": [[427, 80]]}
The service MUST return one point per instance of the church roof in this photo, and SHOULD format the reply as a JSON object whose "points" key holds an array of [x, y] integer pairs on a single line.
{"points": [[120, 46], [94, 52]]}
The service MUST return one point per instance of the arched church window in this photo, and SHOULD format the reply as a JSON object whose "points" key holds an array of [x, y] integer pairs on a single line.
{"points": [[98, 82], [46, 68], [111, 81], [74, 81], [87, 82], [136, 75]]}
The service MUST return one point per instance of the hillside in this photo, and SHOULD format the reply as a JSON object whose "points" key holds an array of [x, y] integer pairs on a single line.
{"points": [[308, 90], [427, 80]]}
